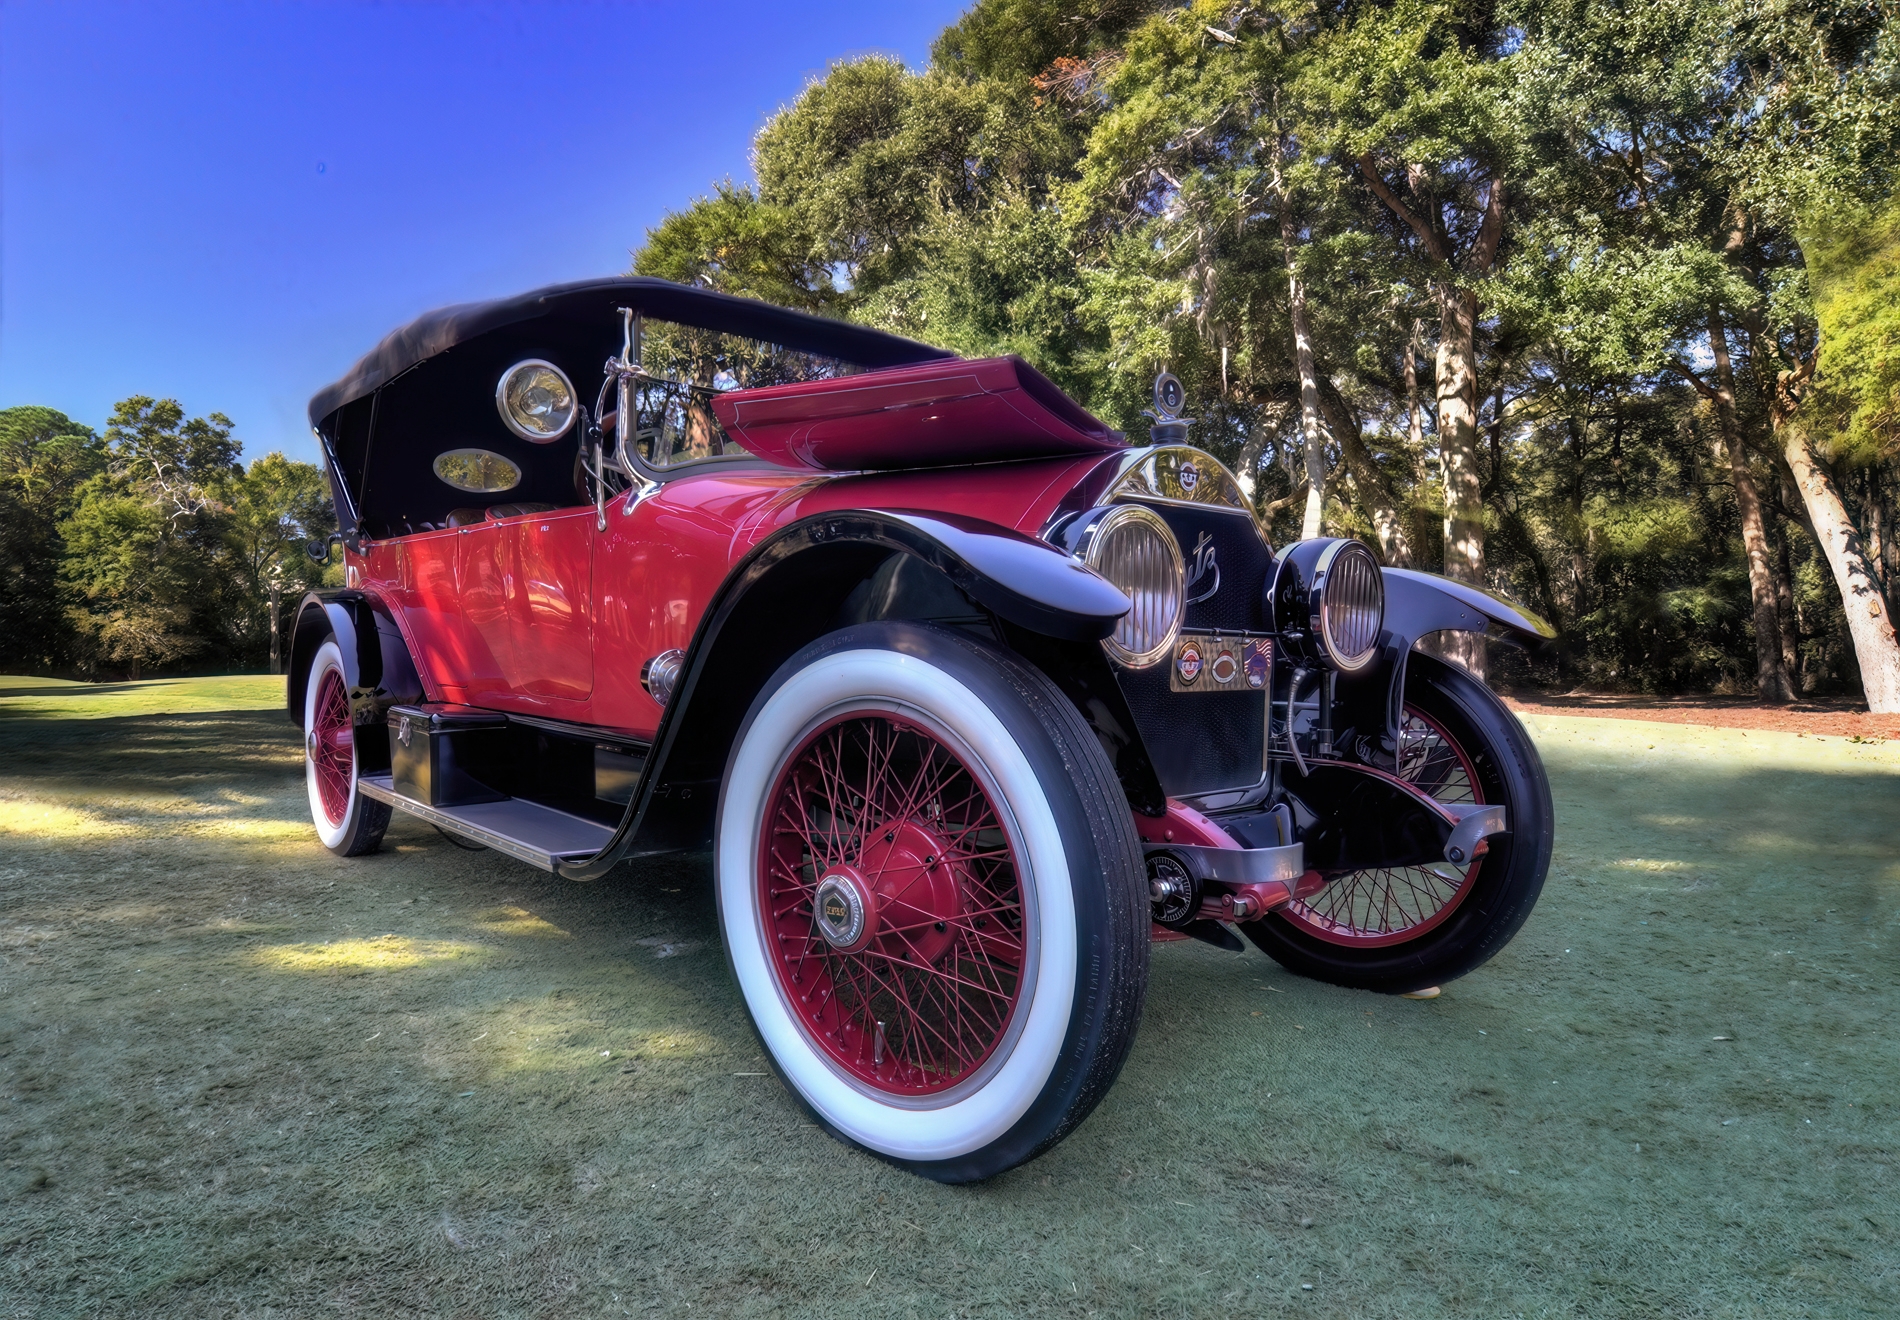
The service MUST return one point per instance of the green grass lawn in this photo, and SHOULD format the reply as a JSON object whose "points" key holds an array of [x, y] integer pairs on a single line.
{"points": [[242, 1077]]}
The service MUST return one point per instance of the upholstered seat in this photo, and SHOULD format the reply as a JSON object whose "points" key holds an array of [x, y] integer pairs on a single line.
{"points": [[497, 512]]}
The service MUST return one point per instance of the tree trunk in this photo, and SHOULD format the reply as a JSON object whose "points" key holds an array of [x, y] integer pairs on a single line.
{"points": [[1868, 621], [1310, 426], [1414, 406], [276, 648], [1785, 611], [1375, 492], [1458, 453], [1771, 675]]}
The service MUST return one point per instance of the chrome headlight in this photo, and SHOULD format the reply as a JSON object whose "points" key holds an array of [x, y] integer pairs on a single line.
{"points": [[1327, 599], [537, 401], [1133, 548]]}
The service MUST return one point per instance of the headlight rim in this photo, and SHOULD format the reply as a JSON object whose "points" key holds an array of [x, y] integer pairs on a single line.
{"points": [[508, 418], [1324, 570], [1096, 535]]}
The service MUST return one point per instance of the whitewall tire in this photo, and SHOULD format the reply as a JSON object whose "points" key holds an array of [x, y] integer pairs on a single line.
{"points": [[348, 823], [931, 895]]}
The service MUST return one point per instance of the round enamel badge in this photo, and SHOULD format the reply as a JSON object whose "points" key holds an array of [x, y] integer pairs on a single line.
{"points": [[1190, 478], [1225, 667], [1188, 662]]}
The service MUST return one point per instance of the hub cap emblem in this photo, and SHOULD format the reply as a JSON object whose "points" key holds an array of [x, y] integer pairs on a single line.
{"points": [[838, 911]]}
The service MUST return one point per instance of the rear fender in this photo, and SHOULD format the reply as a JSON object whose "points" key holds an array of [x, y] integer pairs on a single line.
{"points": [[1418, 605], [377, 665], [815, 576]]}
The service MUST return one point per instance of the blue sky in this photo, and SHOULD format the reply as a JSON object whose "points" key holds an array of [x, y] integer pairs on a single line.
{"points": [[227, 204]]}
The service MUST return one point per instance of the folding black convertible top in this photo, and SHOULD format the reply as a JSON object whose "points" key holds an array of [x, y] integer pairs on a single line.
{"points": [[379, 435], [595, 300]]}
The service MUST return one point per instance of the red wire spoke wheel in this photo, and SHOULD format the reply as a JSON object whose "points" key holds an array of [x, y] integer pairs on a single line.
{"points": [[347, 823], [332, 747], [932, 897], [1372, 909], [895, 903], [1402, 929]]}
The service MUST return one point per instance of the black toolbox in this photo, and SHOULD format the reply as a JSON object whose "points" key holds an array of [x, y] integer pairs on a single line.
{"points": [[448, 756]]}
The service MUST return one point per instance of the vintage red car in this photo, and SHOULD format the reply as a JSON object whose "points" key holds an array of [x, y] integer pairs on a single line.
{"points": [[969, 697]]}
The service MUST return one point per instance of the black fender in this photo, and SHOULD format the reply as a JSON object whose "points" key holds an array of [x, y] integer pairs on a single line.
{"points": [[377, 665], [799, 584], [1418, 605]]}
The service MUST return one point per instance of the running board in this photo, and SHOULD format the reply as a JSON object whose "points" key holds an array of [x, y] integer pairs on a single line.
{"points": [[526, 831]]}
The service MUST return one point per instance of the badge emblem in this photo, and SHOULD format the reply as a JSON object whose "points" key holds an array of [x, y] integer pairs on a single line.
{"points": [[1190, 477], [1188, 662], [1259, 663], [1225, 668]]}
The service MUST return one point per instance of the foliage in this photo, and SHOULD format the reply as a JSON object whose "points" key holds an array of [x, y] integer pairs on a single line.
{"points": [[45, 457], [1854, 269], [150, 547], [1516, 228]]}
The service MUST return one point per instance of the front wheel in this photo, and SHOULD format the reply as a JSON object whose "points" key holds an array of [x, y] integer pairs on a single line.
{"points": [[348, 823], [932, 897], [1402, 929]]}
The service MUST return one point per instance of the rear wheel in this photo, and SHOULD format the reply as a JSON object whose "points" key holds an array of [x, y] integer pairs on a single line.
{"points": [[932, 897], [348, 823], [1406, 928]]}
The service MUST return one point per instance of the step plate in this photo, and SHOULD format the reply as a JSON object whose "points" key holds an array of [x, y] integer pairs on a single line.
{"points": [[526, 831]]}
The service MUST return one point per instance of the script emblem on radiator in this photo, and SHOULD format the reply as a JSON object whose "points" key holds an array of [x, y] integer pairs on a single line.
{"points": [[1204, 563]]}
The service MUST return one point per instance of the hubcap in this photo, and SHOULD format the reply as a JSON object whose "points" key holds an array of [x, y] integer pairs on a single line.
{"points": [[841, 910], [893, 906]]}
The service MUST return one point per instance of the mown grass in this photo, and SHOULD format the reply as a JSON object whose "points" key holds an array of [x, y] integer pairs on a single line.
{"points": [[242, 1077]]}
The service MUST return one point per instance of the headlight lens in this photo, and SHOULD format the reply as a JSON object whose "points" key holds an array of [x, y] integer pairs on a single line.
{"points": [[1134, 549], [536, 400], [1349, 598]]}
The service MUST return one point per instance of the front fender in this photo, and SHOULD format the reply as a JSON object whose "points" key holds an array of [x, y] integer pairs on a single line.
{"points": [[1418, 605], [1028, 582], [788, 591]]}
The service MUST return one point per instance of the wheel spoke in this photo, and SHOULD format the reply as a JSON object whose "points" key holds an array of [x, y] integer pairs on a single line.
{"points": [[1389, 905], [939, 969]]}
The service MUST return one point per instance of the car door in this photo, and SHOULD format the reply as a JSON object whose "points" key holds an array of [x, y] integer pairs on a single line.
{"points": [[549, 604], [449, 589]]}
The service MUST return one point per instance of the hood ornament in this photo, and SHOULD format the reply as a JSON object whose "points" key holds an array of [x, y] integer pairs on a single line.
{"points": [[1169, 426]]}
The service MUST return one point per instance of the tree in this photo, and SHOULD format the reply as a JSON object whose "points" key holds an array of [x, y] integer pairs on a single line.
{"points": [[45, 457], [142, 542], [271, 511], [1420, 105]]}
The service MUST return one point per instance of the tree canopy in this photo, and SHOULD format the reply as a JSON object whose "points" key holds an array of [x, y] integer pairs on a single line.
{"points": [[1538, 292]]}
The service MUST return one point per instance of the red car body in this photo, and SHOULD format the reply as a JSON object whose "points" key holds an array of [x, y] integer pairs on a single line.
{"points": [[581, 636]]}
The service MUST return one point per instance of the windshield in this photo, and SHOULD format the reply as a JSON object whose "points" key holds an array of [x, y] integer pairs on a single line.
{"points": [[686, 366]]}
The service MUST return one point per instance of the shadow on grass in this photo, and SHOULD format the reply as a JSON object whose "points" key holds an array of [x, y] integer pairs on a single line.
{"points": [[256, 1077]]}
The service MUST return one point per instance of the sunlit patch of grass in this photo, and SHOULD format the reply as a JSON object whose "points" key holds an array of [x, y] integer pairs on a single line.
{"points": [[559, 1034], [519, 921], [672, 1043], [50, 820], [39, 699], [1672, 822], [385, 953], [1652, 864]]}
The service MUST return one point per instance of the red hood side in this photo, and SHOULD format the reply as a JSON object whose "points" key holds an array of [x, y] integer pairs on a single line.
{"points": [[933, 414]]}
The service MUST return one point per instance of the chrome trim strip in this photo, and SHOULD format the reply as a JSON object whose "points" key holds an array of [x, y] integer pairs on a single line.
{"points": [[1239, 866]]}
